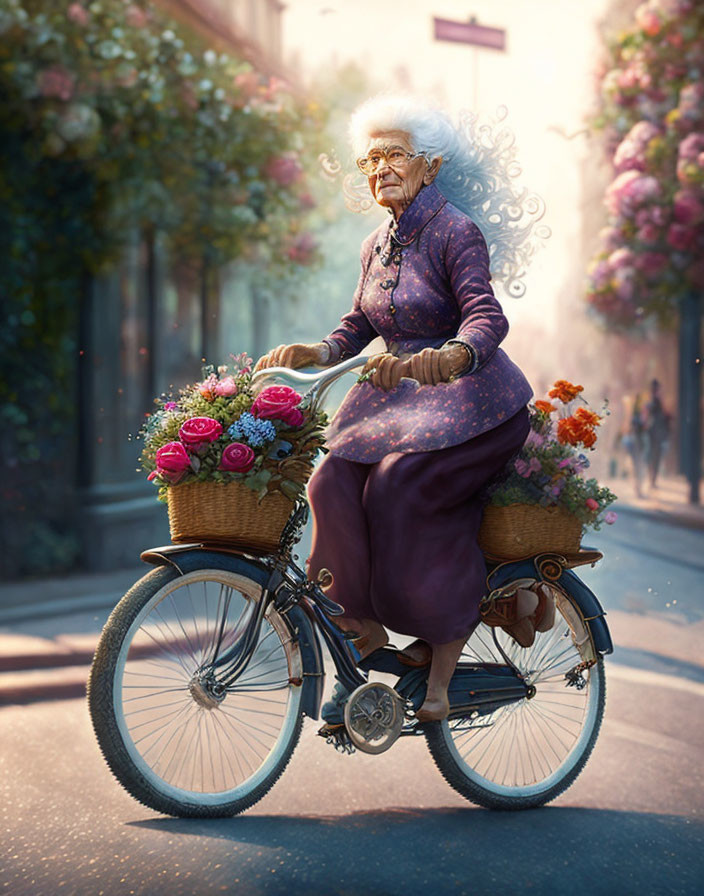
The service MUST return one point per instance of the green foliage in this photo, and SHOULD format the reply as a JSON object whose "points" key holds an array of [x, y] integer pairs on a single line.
{"points": [[115, 120]]}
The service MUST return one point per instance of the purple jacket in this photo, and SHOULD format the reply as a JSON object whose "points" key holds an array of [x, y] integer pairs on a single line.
{"points": [[423, 282]]}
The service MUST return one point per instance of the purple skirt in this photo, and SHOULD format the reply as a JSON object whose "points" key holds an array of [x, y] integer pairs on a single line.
{"points": [[400, 535]]}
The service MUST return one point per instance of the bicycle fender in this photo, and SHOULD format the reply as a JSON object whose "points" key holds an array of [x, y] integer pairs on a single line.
{"points": [[187, 558], [569, 582], [312, 656]]}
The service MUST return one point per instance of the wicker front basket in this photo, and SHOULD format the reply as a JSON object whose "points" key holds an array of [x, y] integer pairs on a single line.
{"points": [[520, 530], [227, 513]]}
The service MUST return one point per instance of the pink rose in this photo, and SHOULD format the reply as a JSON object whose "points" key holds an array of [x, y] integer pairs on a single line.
{"points": [[198, 432], [76, 13], [649, 233], [592, 504], [610, 517], [275, 402], [172, 462], [237, 458], [292, 417], [226, 387]]}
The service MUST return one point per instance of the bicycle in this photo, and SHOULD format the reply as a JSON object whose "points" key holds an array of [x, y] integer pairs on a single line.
{"points": [[207, 666]]}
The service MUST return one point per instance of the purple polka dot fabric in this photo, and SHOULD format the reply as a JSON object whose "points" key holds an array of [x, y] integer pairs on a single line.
{"points": [[425, 280]]}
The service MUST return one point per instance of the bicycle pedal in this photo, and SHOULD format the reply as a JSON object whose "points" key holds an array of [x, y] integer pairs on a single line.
{"points": [[337, 736]]}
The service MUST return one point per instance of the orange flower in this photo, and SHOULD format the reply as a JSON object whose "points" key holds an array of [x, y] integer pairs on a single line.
{"points": [[588, 438], [568, 431], [589, 418], [565, 391], [545, 406]]}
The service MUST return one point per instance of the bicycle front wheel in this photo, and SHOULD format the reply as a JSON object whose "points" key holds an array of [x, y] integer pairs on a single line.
{"points": [[171, 747], [524, 754]]}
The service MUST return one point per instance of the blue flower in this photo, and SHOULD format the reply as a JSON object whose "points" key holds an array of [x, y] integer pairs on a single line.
{"points": [[252, 430]]}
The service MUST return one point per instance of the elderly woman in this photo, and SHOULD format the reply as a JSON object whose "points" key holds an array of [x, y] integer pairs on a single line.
{"points": [[396, 502]]}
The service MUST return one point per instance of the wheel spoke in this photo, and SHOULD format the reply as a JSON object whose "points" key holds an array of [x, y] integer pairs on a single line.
{"points": [[526, 746]]}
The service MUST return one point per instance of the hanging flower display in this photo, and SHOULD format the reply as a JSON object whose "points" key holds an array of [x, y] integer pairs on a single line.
{"points": [[652, 115]]}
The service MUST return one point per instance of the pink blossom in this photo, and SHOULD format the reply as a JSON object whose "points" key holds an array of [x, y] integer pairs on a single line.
{"points": [[136, 17], [687, 208], [565, 462], [630, 153], [648, 20], [600, 274], [226, 387], [284, 169], [237, 458], [276, 403], [681, 237], [525, 468], [621, 258], [56, 81], [648, 233], [172, 462], [611, 237], [651, 263], [247, 82], [623, 283], [610, 517], [199, 432], [170, 406], [691, 146], [78, 14], [302, 248], [535, 439], [592, 504]]}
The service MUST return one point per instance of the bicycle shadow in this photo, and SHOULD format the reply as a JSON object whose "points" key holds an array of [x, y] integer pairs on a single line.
{"points": [[462, 850]]}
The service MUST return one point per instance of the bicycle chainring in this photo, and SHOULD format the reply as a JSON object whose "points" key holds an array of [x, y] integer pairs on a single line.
{"points": [[374, 717]]}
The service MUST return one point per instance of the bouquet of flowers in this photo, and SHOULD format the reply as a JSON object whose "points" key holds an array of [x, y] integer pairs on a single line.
{"points": [[223, 430], [548, 470]]}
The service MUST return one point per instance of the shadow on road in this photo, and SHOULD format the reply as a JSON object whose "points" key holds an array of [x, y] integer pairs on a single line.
{"points": [[470, 850]]}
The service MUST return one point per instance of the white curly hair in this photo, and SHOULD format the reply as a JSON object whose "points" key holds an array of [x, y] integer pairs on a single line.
{"points": [[477, 176]]}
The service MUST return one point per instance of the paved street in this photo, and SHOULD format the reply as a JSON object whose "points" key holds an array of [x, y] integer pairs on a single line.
{"points": [[632, 823]]}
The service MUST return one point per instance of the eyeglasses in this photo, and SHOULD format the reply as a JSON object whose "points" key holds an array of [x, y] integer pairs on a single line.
{"points": [[395, 157]]}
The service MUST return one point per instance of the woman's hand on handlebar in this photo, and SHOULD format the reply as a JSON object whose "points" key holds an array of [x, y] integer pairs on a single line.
{"points": [[388, 370], [292, 356]]}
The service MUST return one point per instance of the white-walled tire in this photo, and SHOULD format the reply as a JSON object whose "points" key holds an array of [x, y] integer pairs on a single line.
{"points": [[526, 753], [173, 752]]}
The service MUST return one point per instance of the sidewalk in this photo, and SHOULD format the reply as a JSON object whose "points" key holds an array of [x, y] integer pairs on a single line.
{"points": [[49, 628], [668, 502]]}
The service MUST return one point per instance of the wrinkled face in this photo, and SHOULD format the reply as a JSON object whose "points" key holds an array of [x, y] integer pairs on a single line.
{"points": [[397, 187]]}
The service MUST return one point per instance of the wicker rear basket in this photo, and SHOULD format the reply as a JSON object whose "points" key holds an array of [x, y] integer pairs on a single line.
{"points": [[520, 530], [227, 513]]}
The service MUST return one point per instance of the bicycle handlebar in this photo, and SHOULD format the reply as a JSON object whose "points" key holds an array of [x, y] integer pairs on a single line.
{"points": [[320, 382]]}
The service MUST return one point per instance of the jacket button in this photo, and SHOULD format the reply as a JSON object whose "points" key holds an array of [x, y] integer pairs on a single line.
{"points": [[387, 284]]}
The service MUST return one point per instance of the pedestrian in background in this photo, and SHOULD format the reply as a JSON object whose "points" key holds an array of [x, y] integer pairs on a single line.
{"points": [[658, 430], [633, 439]]}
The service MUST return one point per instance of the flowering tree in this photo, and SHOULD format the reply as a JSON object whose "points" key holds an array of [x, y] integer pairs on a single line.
{"points": [[652, 112], [114, 118]]}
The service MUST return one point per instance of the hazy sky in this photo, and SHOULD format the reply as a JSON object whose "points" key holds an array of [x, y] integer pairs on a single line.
{"points": [[545, 78]]}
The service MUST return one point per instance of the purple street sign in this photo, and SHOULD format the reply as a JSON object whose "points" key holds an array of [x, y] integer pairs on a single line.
{"points": [[470, 33]]}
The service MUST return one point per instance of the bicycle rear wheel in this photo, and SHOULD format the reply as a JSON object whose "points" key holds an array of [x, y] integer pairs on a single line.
{"points": [[526, 753], [169, 745]]}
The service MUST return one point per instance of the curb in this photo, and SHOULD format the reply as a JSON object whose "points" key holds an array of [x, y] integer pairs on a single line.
{"points": [[24, 687], [670, 518]]}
